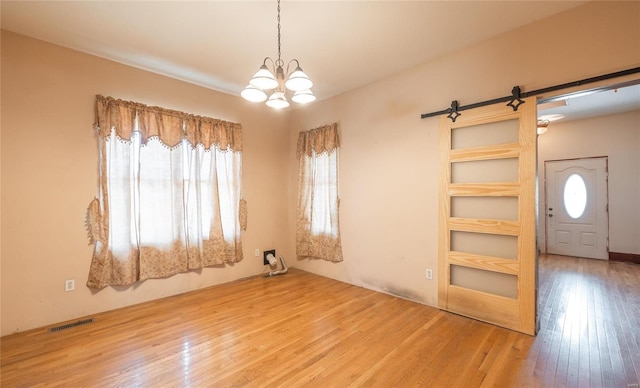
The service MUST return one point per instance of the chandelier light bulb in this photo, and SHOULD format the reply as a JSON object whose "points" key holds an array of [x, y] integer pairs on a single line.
{"points": [[277, 100], [298, 81], [303, 97], [253, 94], [264, 79]]}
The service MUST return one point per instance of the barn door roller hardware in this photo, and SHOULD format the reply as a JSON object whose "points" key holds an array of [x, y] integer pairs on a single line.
{"points": [[516, 97]]}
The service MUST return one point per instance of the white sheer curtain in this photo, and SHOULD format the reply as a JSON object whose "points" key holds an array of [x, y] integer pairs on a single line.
{"points": [[318, 229], [170, 193]]}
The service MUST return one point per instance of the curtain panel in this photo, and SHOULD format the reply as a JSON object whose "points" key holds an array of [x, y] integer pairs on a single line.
{"points": [[169, 197], [170, 126], [318, 229]]}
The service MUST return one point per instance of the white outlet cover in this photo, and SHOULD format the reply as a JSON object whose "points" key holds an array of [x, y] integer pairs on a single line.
{"points": [[69, 285]]}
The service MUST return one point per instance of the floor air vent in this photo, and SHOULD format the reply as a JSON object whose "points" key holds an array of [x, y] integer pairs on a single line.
{"points": [[70, 325]]}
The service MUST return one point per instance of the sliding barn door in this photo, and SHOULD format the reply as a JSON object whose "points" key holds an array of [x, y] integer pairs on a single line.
{"points": [[487, 248]]}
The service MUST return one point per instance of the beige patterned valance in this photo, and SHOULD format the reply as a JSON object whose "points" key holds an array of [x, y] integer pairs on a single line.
{"points": [[170, 126], [318, 140]]}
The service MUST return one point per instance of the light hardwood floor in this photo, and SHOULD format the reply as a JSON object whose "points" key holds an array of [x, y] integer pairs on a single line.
{"points": [[305, 330]]}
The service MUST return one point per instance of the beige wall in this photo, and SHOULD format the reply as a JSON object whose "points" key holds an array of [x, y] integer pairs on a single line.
{"points": [[389, 156], [49, 175], [618, 138]]}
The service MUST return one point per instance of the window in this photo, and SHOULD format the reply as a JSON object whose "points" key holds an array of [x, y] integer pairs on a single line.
{"points": [[169, 197], [575, 196], [318, 231]]}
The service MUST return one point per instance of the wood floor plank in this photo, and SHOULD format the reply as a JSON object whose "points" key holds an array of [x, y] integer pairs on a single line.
{"points": [[595, 377], [554, 331], [301, 329]]}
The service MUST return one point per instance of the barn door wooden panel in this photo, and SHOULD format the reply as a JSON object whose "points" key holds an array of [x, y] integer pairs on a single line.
{"points": [[487, 249]]}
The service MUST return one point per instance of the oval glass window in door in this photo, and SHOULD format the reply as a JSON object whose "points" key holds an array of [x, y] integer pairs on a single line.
{"points": [[575, 196]]}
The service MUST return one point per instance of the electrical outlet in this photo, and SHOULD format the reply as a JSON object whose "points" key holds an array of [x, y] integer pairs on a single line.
{"points": [[257, 253], [265, 254], [429, 274], [69, 285]]}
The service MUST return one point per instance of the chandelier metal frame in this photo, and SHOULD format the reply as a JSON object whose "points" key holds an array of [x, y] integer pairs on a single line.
{"points": [[264, 79]]}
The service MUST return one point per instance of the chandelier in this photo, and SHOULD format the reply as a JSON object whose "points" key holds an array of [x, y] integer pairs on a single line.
{"points": [[296, 81], [543, 125]]}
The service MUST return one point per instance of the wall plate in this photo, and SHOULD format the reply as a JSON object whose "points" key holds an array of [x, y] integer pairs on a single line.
{"points": [[266, 253]]}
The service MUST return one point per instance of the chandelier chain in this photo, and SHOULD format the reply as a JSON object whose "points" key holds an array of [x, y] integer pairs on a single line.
{"points": [[279, 60]]}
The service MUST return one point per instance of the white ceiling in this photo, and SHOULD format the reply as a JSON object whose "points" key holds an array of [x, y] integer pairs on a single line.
{"points": [[598, 102], [341, 45]]}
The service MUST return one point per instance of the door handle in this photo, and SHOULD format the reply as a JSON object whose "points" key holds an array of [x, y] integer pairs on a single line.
{"points": [[550, 215]]}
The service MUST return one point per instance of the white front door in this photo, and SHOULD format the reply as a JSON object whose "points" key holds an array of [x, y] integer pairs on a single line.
{"points": [[576, 212]]}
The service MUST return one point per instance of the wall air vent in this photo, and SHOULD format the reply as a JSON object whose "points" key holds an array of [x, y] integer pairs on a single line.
{"points": [[70, 325]]}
